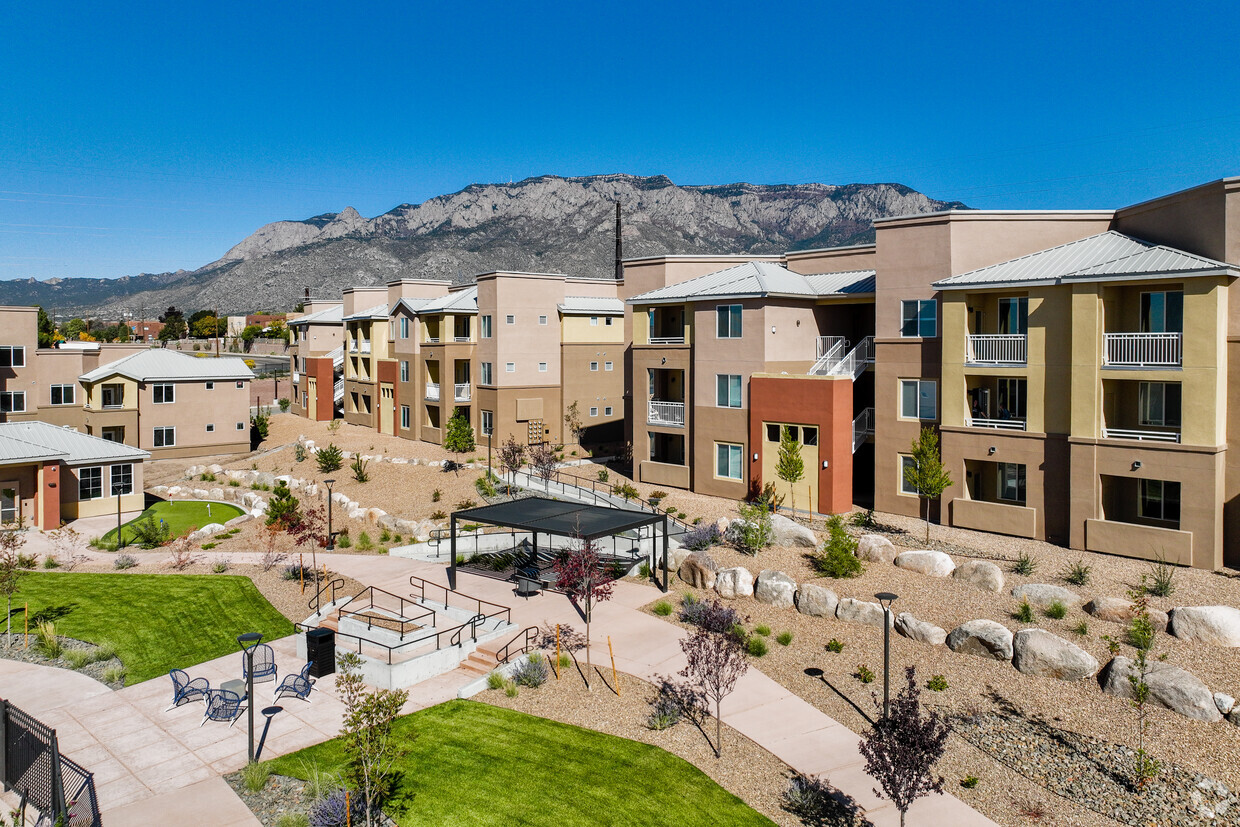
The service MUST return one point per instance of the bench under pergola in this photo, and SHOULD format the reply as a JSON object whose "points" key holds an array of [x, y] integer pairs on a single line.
{"points": [[558, 518]]}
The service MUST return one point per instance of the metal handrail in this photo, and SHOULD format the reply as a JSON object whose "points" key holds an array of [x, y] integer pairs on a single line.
{"points": [[997, 348], [421, 584], [1143, 349], [642, 504], [1141, 436], [334, 585], [664, 412], [404, 621], [528, 636], [829, 350], [1001, 424]]}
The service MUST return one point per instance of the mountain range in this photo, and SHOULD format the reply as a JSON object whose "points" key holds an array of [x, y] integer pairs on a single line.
{"points": [[543, 224]]}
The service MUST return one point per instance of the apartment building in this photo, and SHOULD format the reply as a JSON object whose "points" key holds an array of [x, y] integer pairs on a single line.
{"points": [[317, 360], [365, 316]]}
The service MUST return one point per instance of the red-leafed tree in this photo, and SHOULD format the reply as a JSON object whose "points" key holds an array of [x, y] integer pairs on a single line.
{"points": [[715, 663], [901, 750], [582, 574]]}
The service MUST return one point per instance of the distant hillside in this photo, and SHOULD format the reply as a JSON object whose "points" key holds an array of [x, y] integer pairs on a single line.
{"points": [[540, 224]]}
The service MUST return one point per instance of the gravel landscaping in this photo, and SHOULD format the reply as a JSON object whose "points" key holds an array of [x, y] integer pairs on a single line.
{"points": [[27, 651]]}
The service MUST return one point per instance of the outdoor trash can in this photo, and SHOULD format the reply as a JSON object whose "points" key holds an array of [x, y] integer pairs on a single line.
{"points": [[528, 581], [321, 651]]}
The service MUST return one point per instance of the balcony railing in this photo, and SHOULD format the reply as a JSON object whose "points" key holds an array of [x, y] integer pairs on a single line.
{"points": [[461, 392], [432, 340], [997, 349], [1144, 350], [464, 338], [1001, 424], [352, 346], [667, 340], [1141, 436], [666, 413], [365, 346], [432, 391], [828, 351], [863, 428]]}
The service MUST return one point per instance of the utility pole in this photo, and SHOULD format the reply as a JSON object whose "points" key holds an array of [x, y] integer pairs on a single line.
{"points": [[216, 315]]}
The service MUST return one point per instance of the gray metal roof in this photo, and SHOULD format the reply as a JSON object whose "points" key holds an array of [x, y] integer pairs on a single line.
{"points": [[330, 315], [1108, 256], [761, 278], [379, 311], [460, 301], [591, 306], [32, 441], [411, 304], [160, 364]]}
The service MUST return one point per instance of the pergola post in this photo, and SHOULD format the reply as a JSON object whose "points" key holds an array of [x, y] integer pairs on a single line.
{"points": [[452, 545], [665, 575]]}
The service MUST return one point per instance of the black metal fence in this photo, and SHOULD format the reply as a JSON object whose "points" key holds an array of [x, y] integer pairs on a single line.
{"points": [[60, 789]]}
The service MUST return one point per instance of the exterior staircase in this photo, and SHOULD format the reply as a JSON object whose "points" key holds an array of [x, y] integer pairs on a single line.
{"points": [[482, 661]]}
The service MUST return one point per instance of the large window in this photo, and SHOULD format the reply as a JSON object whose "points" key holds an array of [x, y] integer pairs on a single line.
{"points": [[404, 370], [90, 483], [13, 401], [728, 321], [907, 464], [918, 398], [164, 393], [62, 394], [122, 479], [488, 423], [1011, 398], [404, 327], [12, 356], [485, 326], [484, 373], [919, 317], [1160, 404], [1011, 482], [165, 437], [1014, 316], [728, 459], [727, 390], [113, 396], [404, 416], [1162, 312], [1159, 500]]}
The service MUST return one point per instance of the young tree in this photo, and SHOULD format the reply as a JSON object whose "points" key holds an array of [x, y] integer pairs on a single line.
{"points": [[789, 466], [572, 421], [459, 438], [284, 509], [367, 733], [47, 330], [715, 663], [582, 575], [174, 325], [206, 327], [11, 541], [901, 750], [543, 461], [1141, 635], [329, 459], [511, 457], [927, 476]]}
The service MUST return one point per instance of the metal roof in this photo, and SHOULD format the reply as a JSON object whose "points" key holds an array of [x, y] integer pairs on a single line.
{"points": [[160, 364], [460, 301], [379, 311], [565, 519], [591, 306], [1108, 256], [411, 304], [329, 315], [34, 440], [758, 279]]}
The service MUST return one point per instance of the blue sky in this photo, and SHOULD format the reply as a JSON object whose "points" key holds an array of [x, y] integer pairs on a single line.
{"points": [[148, 137]]}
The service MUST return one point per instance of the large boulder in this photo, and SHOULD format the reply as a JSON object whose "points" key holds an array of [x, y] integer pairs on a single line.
{"points": [[1213, 625], [238, 520], [212, 528], [786, 532], [734, 582], [920, 630], [1170, 686], [876, 548], [980, 573], [860, 611], [932, 563], [699, 570], [1038, 652], [817, 601], [1044, 594], [675, 558], [776, 588], [984, 638], [1119, 610]]}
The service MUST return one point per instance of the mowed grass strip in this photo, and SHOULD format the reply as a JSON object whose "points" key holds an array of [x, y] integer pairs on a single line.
{"points": [[474, 765], [156, 621], [180, 516]]}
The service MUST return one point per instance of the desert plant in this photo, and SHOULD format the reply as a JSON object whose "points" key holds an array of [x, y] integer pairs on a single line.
{"points": [[814, 802], [702, 537], [364, 543], [284, 404], [754, 531], [358, 467], [926, 475], [439, 514], [710, 615], [937, 683], [1024, 564], [762, 629], [254, 776], [1056, 610], [334, 425], [662, 608], [864, 673], [338, 809], [466, 503], [46, 641], [863, 519], [1141, 627], [1024, 612], [329, 459], [50, 562], [27, 561], [495, 680], [835, 645], [259, 486], [114, 674], [511, 689], [436, 495], [1141, 631], [485, 486], [838, 557], [756, 646], [284, 509], [603, 475], [532, 673], [1076, 573], [969, 781], [1081, 629], [234, 483], [77, 658], [626, 490], [664, 712], [1161, 579], [220, 566], [385, 536], [293, 820], [124, 561], [149, 534], [207, 476], [784, 638], [299, 452], [209, 546]]}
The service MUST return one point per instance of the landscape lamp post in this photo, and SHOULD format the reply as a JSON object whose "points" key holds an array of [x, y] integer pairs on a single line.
{"points": [[886, 599], [247, 642], [117, 490], [329, 547]]}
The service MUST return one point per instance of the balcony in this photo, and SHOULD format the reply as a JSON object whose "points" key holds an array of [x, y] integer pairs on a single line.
{"points": [[352, 346], [997, 349], [999, 424], [1141, 436], [667, 340], [461, 339], [461, 392], [1144, 350], [365, 346], [432, 340], [432, 391], [666, 413]]}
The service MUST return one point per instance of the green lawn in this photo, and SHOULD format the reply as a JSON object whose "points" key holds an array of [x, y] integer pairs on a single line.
{"points": [[156, 621], [475, 765], [180, 516]]}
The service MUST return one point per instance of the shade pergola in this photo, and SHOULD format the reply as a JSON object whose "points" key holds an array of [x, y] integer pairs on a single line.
{"points": [[540, 515]]}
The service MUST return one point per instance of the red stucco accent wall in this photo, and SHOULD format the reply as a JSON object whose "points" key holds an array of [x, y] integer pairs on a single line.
{"points": [[47, 504], [320, 368]]}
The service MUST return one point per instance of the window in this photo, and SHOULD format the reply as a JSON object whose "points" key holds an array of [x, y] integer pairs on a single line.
{"points": [[404, 370], [404, 327], [484, 373], [510, 319], [728, 460], [211, 385], [906, 464], [727, 390], [918, 398], [1159, 500], [593, 411], [607, 411], [1014, 316], [113, 396], [1011, 398], [12, 356], [90, 483], [728, 321], [542, 319], [809, 436], [1011, 482], [1162, 312], [62, 394], [488, 423], [116, 434], [210, 427], [164, 393], [594, 366], [391, 329], [594, 321], [772, 432], [510, 367], [919, 317], [122, 479], [404, 416], [240, 426], [165, 437], [1160, 404], [485, 326], [607, 366], [240, 384], [13, 401], [607, 321], [542, 367]]}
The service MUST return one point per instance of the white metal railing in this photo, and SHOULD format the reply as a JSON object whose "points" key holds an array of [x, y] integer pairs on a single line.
{"points": [[1145, 350], [998, 349], [667, 340], [365, 346], [432, 340], [666, 413], [1143, 436], [432, 391], [1001, 424], [857, 360], [461, 339], [352, 346], [863, 428], [828, 351], [462, 392]]}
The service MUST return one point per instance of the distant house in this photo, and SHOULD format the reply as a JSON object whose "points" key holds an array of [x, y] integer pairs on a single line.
{"points": [[145, 331]]}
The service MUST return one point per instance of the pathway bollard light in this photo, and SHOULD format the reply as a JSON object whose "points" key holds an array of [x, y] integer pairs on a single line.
{"points": [[886, 599], [247, 642], [269, 712], [329, 547]]}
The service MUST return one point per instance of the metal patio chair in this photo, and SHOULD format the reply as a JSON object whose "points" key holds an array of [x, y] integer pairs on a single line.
{"points": [[222, 705], [185, 689], [264, 663], [296, 686]]}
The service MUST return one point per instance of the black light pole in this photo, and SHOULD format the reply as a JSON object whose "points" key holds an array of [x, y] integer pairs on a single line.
{"points": [[247, 642], [886, 599], [329, 547], [117, 488]]}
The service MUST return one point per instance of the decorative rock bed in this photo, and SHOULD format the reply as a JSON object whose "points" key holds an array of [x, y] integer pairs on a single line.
{"points": [[19, 652]]}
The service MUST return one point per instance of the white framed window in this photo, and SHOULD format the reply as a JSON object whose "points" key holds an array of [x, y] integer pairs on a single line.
{"points": [[164, 393], [1010, 482], [404, 417], [727, 390], [510, 319], [211, 385], [918, 398], [1014, 316], [484, 326], [542, 367], [12, 356], [608, 366], [542, 319], [510, 367], [165, 437], [1162, 312], [484, 373], [728, 321], [404, 370], [728, 460], [113, 395], [391, 329], [1159, 500], [210, 427], [62, 394], [13, 401], [594, 366], [121, 481], [593, 411], [919, 318], [594, 321], [607, 411], [488, 423], [404, 327], [240, 426], [1160, 404], [90, 482], [906, 463]]}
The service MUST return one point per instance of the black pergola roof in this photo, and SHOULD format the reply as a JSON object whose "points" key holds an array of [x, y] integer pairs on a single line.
{"points": [[565, 519]]}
